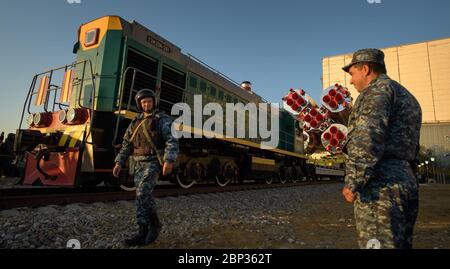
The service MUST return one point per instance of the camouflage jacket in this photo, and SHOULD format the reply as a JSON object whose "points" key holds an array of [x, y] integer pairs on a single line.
{"points": [[163, 129], [384, 125]]}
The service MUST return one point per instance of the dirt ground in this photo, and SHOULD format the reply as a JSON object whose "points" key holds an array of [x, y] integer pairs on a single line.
{"points": [[328, 225]]}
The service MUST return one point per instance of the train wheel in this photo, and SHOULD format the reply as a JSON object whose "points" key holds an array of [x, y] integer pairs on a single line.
{"points": [[89, 180], [222, 181], [125, 182], [297, 175], [290, 174], [191, 174], [229, 173], [128, 187], [282, 176], [185, 182], [269, 179]]}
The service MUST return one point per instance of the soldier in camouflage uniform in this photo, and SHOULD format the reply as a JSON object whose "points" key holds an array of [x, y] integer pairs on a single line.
{"points": [[382, 143], [150, 141]]}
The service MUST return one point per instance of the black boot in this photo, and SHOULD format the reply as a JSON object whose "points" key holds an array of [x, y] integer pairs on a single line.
{"points": [[139, 239], [155, 228]]}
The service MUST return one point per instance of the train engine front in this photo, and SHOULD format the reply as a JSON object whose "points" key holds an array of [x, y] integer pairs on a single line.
{"points": [[65, 133]]}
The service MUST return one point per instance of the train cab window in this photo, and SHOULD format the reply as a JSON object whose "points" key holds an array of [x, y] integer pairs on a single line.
{"points": [[193, 82], [221, 96], [91, 37], [212, 91], [203, 86]]}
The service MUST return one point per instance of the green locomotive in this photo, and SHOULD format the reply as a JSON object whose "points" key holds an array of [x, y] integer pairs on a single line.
{"points": [[77, 114]]}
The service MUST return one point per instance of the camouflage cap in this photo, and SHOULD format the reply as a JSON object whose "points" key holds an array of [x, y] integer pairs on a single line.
{"points": [[366, 55]]}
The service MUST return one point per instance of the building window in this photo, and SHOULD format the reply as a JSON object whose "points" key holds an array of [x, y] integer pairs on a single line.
{"points": [[212, 91], [193, 82], [203, 86]]}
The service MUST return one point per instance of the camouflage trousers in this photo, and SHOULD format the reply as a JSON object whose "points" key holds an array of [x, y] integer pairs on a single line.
{"points": [[386, 212], [145, 177]]}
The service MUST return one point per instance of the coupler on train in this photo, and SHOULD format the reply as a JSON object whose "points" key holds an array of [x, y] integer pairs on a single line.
{"points": [[44, 163]]}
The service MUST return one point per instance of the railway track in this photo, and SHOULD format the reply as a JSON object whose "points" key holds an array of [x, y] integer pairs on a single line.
{"points": [[37, 197]]}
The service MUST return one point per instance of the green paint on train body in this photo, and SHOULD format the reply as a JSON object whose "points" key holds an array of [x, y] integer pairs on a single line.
{"points": [[105, 62]]}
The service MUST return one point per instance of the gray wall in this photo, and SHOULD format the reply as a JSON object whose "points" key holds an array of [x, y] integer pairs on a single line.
{"points": [[436, 137]]}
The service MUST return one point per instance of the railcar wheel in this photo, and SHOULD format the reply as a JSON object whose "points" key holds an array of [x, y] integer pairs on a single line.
{"points": [[125, 182], [190, 175], [221, 181], [90, 181], [229, 173], [294, 175], [282, 177], [128, 188], [184, 182]]}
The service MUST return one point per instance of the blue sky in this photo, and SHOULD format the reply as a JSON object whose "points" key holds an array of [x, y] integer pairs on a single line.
{"points": [[275, 44]]}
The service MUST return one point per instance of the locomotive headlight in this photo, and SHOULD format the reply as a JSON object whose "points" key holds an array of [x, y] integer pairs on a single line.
{"points": [[43, 119], [71, 115], [30, 120], [76, 116], [37, 119], [62, 116]]}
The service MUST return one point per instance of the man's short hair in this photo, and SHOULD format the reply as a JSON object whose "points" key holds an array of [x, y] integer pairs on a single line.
{"points": [[373, 67]]}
